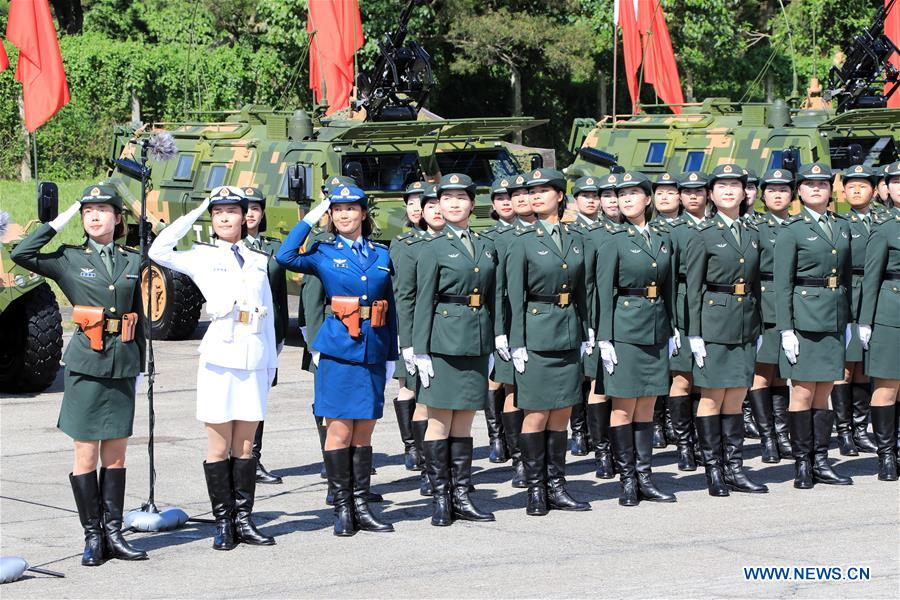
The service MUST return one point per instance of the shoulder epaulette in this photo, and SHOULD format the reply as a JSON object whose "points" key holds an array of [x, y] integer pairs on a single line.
{"points": [[794, 219], [129, 249], [379, 245], [404, 235], [838, 215], [749, 224], [523, 230], [269, 238], [615, 228], [705, 224], [73, 246]]}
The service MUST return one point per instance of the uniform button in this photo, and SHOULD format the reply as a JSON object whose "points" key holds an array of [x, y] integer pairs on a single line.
{"points": [[534, 311], [712, 301], [803, 293], [363, 277], [445, 313], [476, 269], [740, 299], [364, 297], [565, 286], [763, 288], [652, 283], [740, 280], [475, 291], [474, 309], [625, 303], [893, 289], [112, 309], [112, 287], [833, 251], [833, 270], [565, 266], [653, 264], [741, 261]]}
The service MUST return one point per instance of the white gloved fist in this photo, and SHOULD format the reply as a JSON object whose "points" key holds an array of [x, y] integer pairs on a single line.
{"points": [[519, 358], [698, 349], [676, 339], [848, 334], [759, 343], [865, 335], [791, 345], [315, 215], [608, 355], [60, 221], [502, 346], [592, 337], [409, 359], [425, 368], [315, 358], [390, 367]]}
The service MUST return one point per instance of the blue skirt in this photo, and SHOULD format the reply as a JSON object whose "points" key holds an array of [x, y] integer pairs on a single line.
{"points": [[346, 390]]}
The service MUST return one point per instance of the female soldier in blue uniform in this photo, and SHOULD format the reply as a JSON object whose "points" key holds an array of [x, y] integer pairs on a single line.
{"points": [[453, 339], [637, 334], [812, 310], [850, 394], [723, 328], [103, 360], [769, 393], [879, 326], [356, 344], [548, 334]]}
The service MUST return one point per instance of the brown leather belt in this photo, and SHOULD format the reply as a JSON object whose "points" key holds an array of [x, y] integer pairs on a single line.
{"points": [[365, 312], [563, 299]]}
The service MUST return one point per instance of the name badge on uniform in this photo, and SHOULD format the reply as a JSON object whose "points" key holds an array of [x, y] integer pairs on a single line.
{"points": [[132, 276], [85, 272], [339, 263], [812, 239]]}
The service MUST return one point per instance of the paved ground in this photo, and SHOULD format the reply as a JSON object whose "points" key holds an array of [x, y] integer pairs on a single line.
{"points": [[696, 547]]}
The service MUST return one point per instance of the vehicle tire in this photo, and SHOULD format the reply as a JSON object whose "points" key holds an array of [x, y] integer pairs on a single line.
{"points": [[176, 306], [31, 341]]}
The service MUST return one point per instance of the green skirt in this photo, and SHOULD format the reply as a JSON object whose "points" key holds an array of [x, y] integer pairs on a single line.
{"points": [[459, 383], [771, 346], [503, 371], [683, 362], [881, 359], [821, 358], [97, 408], [854, 351], [551, 380], [591, 363], [726, 366], [641, 371], [400, 370]]}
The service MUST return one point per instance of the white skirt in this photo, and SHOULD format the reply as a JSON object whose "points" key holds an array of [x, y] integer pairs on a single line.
{"points": [[226, 394]]}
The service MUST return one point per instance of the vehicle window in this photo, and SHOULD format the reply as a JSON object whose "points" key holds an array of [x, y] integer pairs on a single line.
{"points": [[775, 161], [483, 166], [185, 167], [385, 172], [656, 153], [216, 176], [694, 161]]}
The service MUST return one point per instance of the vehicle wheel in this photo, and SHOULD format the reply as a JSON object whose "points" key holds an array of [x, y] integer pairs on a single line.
{"points": [[30, 342], [176, 303]]}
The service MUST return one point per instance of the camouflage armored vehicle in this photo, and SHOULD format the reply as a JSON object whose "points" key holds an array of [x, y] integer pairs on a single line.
{"points": [[30, 323], [845, 126]]}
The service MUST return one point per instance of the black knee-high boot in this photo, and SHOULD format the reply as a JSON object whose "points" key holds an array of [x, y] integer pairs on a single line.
{"points": [[621, 439], [534, 459], [823, 421], [437, 465], [262, 474], [558, 497], [87, 500], [461, 479], [340, 480], [643, 452], [883, 425], [733, 446], [512, 428], [801, 424], [842, 401], [862, 397], [419, 429], [493, 408], [659, 426], [112, 490], [322, 430], [221, 498], [679, 407], [578, 424], [243, 477], [709, 431], [761, 401], [750, 428], [361, 466], [695, 404], [780, 400], [598, 423], [404, 410]]}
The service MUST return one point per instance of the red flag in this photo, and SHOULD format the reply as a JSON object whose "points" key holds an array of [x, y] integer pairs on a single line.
{"points": [[660, 69], [4, 60], [626, 16], [892, 30], [40, 67], [338, 36]]}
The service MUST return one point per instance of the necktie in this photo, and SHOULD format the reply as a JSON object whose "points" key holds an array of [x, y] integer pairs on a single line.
{"points": [[256, 245], [464, 238], [736, 232], [865, 220], [646, 235], [826, 226], [554, 235], [359, 250], [106, 259], [237, 255]]}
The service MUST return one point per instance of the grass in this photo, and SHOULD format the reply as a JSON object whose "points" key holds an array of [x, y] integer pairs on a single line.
{"points": [[18, 198]]}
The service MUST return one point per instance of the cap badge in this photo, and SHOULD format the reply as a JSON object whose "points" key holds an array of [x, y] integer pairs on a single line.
{"points": [[335, 180], [249, 191], [454, 179], [590, 181], [95, 191], [417, 185], [666, 176], [223, 192], [520, 179], [345, 192], [504, 182], [816, 169], [858, 169], [536, 174], [777, 173], [727, 169], [627, 177], [612, 179], [692, 177]]}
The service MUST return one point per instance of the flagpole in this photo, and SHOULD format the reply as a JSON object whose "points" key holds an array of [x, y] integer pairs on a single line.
{"points": [[615, 70], [34, 171]]}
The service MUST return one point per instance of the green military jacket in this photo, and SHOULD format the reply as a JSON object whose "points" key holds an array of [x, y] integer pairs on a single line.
{"points": [[625, 261], [881, 296], [536, 266], [804, 251], [593, 236], [768, 227], [501, 235], [859, 238], [277, 281], [446, 267], [404, 252], [84, 280], [680, 230], [713, 256], [312, 301]]}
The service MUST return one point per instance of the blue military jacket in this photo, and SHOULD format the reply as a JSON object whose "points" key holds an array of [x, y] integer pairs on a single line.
{"points": [[341, 273]]}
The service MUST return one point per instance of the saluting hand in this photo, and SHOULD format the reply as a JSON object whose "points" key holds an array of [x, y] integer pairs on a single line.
{"points": [[315, 215], [60, 221], [791, 345]]}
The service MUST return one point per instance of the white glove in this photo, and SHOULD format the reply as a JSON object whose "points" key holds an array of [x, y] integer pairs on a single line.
{"points": [[279, 348], [608, 355], [60, 221], [673, 349], [490, 364], [592, 337], [303, 333], [791, 345], [502, 346], [519, 358], [409, 358], [698, 349], [865, 334], [425, 368], [588, 346], [389, 370], [759, 341], [848, 333], [315, 357], [139, 382], [676, 338], [313, 217]]}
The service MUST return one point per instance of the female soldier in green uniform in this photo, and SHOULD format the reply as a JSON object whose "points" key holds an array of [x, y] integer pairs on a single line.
{"points": [[637, 334], [812, 310], [548, 333], [879, 326], [453, 337], [609, 202], [723, 328], [850, 394], [769, 393], [103, 360], [404, 280]]}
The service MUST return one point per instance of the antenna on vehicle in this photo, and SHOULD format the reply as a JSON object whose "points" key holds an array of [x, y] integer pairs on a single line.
{"points": [[795, 93]]}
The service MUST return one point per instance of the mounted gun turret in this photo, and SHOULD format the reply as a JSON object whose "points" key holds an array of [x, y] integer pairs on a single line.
{"points": [[867, 78], [399, 83]]}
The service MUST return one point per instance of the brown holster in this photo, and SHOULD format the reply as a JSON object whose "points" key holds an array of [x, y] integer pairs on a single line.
{"points": [[379, 313], [129, 324], [90, 320], [346, 308]]}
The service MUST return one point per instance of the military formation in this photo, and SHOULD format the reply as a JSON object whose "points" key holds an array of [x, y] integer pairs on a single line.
{"points": [[638, 313]]}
